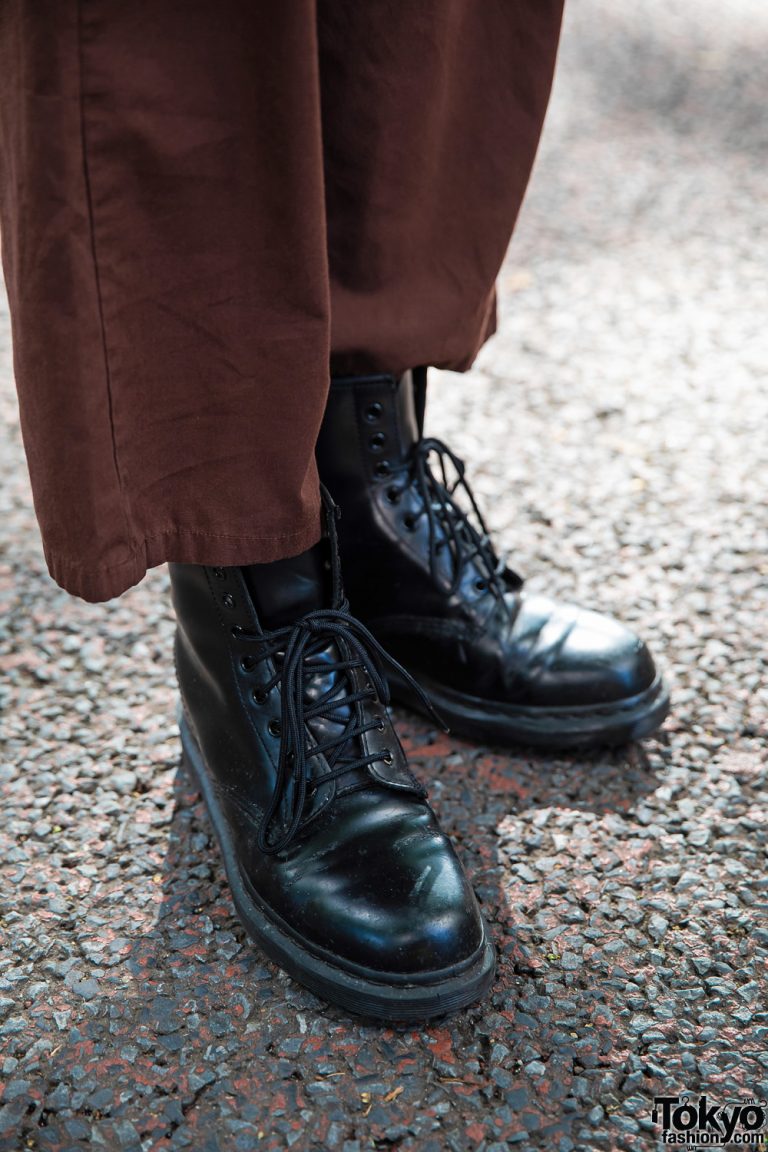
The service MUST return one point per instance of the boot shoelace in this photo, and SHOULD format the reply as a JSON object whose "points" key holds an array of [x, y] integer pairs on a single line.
{"points": [[293, 648], [450, 525]]}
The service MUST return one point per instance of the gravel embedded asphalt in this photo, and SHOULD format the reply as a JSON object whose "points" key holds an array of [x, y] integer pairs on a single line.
{"points": [[615, 429]]}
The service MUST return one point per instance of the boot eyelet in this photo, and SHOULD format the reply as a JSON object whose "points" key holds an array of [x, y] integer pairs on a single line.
{"points": [[373, 412], [393, 495], [247, 663], [377, 441], [383, 468], [274, 728], [259, 696], [219, 573], [481, 585], [387, 757], [228, 600], [409, 522], [380, 726]]}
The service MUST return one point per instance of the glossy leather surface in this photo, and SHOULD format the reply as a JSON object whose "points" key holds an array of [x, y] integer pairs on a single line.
{"points": [[453, 627], [368, 879]]}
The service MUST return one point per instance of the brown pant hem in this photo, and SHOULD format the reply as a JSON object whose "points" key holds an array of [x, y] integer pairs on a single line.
{"points": [[180, 546]]}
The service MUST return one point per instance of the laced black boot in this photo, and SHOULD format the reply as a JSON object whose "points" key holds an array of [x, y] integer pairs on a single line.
{"points": [[500, 665], [337, 866]]}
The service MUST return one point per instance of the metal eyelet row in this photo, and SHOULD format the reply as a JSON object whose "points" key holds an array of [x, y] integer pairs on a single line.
{"points": [[377, 441], [259, 694]]}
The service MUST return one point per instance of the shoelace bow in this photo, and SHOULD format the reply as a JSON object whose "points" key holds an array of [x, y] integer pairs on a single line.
{"points": [[299, 643], [449, 524]]}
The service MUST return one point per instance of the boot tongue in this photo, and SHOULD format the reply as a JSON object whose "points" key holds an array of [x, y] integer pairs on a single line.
{"points": [[285, 590]]}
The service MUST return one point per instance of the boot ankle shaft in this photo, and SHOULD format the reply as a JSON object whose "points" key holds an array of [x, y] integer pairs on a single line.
{"points": [[370, 425]]}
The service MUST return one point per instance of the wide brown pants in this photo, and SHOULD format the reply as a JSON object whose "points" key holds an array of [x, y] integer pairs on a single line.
{"points": [[203, 206]]}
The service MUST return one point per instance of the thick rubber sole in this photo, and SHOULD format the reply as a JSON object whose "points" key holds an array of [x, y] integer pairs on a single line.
{"points": [[556, 729], [378, 997]]}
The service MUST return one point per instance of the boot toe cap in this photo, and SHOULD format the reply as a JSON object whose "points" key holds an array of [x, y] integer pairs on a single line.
{"points": [[583, 658], [390, 898]]}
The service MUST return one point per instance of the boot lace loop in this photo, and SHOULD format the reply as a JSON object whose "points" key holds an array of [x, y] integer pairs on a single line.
{"points": [[450, 525], [295, 649]]}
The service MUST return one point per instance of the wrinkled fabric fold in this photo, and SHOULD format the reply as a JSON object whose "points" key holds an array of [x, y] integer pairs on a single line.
{"points": [[206, 208]]}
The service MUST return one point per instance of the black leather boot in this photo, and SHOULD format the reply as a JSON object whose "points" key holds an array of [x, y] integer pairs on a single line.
{"points": [[499, 665], [337, 866]]}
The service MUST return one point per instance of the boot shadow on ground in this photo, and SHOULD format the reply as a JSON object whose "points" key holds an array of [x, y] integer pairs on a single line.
{"points": [[473, 789], [205, 1032]]}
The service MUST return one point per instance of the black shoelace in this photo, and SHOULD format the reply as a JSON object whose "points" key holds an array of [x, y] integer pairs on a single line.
{"points": [[450, 525], [293, 648]]}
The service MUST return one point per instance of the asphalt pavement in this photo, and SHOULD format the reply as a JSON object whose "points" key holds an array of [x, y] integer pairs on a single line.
{"points": [[616, 431]]}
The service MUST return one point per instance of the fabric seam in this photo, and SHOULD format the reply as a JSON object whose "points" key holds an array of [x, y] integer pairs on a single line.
{"points": [[96, 271], [185, 532]]}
